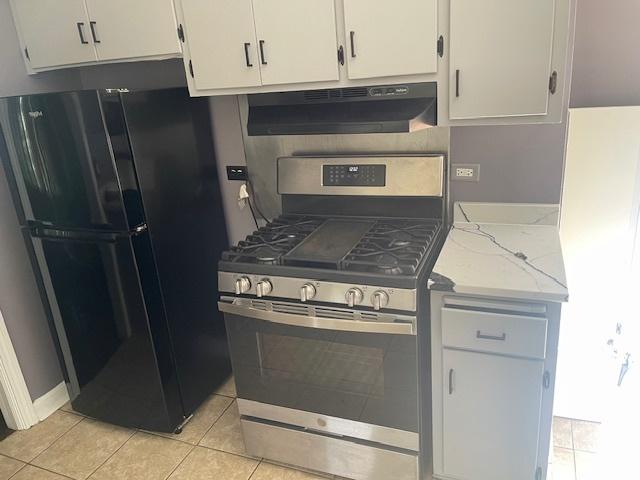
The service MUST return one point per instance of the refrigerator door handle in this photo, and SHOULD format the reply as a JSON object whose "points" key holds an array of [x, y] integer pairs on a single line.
{"points": [[74, 236]]}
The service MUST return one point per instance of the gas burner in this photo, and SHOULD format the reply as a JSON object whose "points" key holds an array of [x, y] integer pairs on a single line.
{"points": [[392, 247], [268, 244]]}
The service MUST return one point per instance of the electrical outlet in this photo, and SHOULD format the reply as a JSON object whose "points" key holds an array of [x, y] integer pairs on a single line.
{"points": [[237, 173], [465, 172]]}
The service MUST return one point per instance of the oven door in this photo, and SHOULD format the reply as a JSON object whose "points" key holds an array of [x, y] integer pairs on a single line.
{"points": [[339, 371]]}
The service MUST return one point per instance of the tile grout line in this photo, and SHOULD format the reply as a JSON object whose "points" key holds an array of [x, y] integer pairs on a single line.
{"points": [[216, 421], [193, 447], [30, 462], [573, 451], [255, 469], [47, 448], [18, 471], [134, 431]]}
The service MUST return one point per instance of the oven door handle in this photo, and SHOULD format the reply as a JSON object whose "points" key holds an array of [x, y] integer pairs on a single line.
{"points": [[399, 328]]}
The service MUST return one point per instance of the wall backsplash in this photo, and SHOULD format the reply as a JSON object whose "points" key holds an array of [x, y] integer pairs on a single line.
{"points": [[262, 152]]}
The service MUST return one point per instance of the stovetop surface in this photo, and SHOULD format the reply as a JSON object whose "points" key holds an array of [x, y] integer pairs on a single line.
{"points": [[381, 246]]}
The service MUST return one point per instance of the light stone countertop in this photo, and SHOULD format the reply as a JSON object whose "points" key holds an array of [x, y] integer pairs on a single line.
{"points": [[503, 250]]}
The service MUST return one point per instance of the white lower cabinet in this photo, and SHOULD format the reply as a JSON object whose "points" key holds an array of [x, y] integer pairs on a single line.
{"points": [[493, 364], [491, 416]]}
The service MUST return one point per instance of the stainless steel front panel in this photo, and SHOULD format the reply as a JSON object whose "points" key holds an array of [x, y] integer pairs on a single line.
{"points": [[335, 456], [330, 425], [300, 315], [326, 292], [406, 176]]}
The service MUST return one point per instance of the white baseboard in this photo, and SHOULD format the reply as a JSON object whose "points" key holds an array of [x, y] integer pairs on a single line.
{"points": [[51, 401]]}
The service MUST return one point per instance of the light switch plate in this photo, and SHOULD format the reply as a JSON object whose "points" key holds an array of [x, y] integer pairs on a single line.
{"points": [[465, 172]]}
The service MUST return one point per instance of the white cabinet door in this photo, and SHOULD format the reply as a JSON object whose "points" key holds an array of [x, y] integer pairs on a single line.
{"points": [[133, 29], [491, 416], [297, 40], [500, 57], [54, 32], [221, 43], [390, 38]]}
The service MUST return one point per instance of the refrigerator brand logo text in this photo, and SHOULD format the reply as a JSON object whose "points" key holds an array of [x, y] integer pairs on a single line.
{"points": [[36, 114]]}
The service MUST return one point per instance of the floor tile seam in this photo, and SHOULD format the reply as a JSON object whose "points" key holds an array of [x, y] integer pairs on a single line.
{"points": [[133, 432], [214, 423], [193, 447]]}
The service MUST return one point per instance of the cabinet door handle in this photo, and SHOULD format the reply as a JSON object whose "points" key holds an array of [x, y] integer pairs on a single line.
{"points": [[451, 381], [263, 60], [92, 25], [457, 83], [482, 336], [81, 32], [246, 54], [352, 36]]}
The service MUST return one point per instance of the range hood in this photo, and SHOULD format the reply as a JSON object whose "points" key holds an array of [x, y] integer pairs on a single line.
{"points": [[380, 109]]}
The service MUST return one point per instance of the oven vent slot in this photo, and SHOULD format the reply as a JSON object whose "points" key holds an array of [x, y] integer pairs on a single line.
{"points": [[259, 305], [330, 313], [289, 308]]}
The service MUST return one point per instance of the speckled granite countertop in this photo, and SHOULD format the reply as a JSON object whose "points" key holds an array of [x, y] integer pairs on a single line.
{"points": [[503, 250]]}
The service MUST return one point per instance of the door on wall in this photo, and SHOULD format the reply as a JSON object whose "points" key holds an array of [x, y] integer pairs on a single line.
{"points": [[600, 337]]}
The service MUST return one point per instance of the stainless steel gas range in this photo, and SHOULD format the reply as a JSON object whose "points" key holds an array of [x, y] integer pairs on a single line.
{"points": [[326, 309]]}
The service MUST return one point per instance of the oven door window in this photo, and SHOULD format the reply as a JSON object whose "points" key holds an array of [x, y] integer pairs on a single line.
{"points": [[365, 377]]}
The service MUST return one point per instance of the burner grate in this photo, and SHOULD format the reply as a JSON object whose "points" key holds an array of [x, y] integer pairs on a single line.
{"points": [[392, 247], [267, 245], [382, 246]]}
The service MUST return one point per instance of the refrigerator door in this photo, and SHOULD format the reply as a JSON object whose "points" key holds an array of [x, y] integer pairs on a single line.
{"points": [[63, 162], [115, 344], [170, 137]]}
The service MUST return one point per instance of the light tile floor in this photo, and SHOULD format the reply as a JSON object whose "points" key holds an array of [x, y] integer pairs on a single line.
{"points": [[576, 448], [68, 445]]}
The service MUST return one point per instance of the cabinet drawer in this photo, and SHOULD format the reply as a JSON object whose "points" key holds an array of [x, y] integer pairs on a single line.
{"points": [[509, 334]]}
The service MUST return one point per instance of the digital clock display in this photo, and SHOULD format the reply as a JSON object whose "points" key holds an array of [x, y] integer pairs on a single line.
{"points": [[354, 175]]}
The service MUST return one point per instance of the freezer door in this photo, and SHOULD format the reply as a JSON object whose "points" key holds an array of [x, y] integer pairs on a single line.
{"points": [[115, 344], [63, 162]]}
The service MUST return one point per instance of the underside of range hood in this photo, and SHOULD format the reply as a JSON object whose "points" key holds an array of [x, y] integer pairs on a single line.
{"points": [[381, 109]]}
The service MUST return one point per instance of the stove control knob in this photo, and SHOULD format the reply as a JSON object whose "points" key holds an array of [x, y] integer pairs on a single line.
{"points": [[263, 288], [380, 299], [307, 292], [243, 285], [354, 297]]}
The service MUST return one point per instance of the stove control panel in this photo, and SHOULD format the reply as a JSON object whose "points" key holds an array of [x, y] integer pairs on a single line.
{"points": [[354, 175], [305, 290]]}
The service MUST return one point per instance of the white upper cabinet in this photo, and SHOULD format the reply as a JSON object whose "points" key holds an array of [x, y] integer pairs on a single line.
{"points": [[124, 29], [221, 43], [386, 39], [491, 416], [501, 53], [53, 32], [297, 41]]}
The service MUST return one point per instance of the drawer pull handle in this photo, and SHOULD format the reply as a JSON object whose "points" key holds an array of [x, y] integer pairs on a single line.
{"points": [[451, 381], [482, 336]]}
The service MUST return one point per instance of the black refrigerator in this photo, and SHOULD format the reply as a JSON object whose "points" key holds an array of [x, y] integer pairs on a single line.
{"points": [[119, 198]]}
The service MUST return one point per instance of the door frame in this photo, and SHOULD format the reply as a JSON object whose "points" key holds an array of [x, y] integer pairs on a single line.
{"points": [[15, 401]]}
